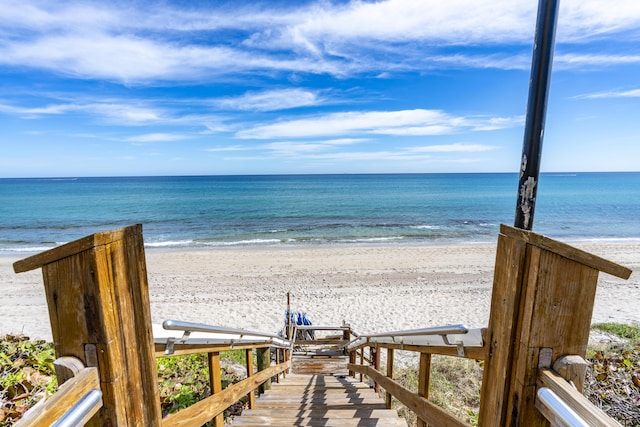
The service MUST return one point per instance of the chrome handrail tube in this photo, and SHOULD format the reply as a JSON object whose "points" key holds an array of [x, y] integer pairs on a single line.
{"points": [[179, 325], [564, 415], [436, 330], [322, 328], [77, 413]]}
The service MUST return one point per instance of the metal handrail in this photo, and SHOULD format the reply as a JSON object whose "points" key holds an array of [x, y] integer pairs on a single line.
{"points": [[179, 325], [399, 336], [79, 411], [564, 415], [322, 328], [436, 330]]}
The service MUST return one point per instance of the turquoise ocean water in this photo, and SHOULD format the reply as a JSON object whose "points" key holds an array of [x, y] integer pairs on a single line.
{"points": [[215, 211]]}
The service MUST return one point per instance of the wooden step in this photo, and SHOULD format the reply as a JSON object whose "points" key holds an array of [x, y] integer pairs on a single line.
{"points": [[322, 401], [320, 422]]}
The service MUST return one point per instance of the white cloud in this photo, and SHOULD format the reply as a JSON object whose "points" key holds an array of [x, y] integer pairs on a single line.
{"points": [[31, 112], [157, 137], [403, 122], [452, 148], [271, 100], [148, 42], [633, 93], [570, 60], [229, 148]]}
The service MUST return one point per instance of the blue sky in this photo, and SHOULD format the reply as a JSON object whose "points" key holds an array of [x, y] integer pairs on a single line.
{"points": [[245, 87]]}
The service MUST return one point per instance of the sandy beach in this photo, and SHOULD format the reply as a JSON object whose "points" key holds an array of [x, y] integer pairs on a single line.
{"points": [[374, 288]]}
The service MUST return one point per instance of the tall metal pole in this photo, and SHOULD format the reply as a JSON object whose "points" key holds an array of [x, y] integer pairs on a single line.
{"points": [[536, 111]]}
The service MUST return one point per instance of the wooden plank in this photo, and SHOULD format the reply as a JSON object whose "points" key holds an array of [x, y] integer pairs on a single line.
{"points": [[215, 381], [184, 349], [477, 353], [75, 247], [321, 413], [49, 411], [99, 310], [204, 410], [576, 401], [556, 315], [567, 251], [389, 374], [322, 341], [501, 332], [263, 360], [320, 422], [423, 408], [424, 379], [249, 363]]}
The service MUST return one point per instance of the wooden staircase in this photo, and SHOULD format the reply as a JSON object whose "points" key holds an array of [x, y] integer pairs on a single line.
{"points": [[319, 400]]}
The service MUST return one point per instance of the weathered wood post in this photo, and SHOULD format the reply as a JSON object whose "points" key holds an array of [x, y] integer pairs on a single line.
{"points": [[263, 362], [249, 361], [375, 361], [389, 375], [98, 298], [215, 382], [346, 336], [541, 307], [424, 379]]}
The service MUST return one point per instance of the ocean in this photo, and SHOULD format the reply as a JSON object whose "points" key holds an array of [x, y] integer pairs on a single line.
{"points": [[216, 211]]}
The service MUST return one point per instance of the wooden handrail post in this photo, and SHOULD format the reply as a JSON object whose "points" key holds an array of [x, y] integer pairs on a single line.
{"points": [[389, 375], [375, 361], [215, 382], [286, 357], [264, 361], [541, 307], [361, 360], [278, 351], [424, 379], [98, 298], [249, 362]]}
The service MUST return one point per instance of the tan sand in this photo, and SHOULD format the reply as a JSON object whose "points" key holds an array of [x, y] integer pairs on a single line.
{"points": [[374, 288]]}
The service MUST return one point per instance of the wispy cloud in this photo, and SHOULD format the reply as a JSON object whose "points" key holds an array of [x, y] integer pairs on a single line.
{"points": [[141, 43], [157, 137], [32, 112], [271, 100], [403, 122], [633, 93], [452, 148]]}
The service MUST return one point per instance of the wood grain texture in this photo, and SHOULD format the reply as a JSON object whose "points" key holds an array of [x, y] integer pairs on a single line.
{"points": [[424, 409], [501, 332], [98, 298], [576, 401], [50, 410], [204, 410]]}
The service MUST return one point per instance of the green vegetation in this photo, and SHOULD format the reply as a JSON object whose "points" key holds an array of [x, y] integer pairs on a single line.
{"points": [[629, 332], [612, 382], [184, 380], [26, 374], [454, 385]]}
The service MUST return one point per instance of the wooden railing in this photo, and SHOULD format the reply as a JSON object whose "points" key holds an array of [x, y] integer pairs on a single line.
{"points": [[541, 306], [79, 397], [450, 340], [76, 401], [558, 398]]}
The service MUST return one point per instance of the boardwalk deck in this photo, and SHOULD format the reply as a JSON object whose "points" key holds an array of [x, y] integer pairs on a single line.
{"points": [[319, 400]]}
